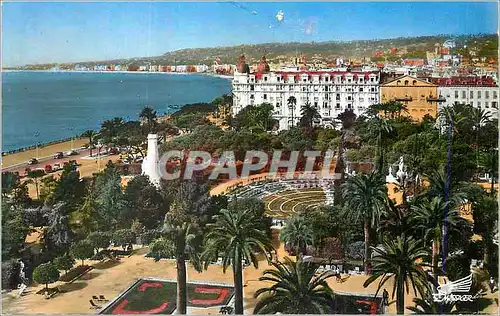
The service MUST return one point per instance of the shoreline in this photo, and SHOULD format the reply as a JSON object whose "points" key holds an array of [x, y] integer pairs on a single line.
{"points": [[126, 72]]}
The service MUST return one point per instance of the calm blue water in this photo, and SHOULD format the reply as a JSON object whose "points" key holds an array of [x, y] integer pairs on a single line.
{"points": [[61, 105]]}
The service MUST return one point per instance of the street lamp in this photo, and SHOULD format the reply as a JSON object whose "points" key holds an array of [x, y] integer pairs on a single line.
{"points": [[70, 129], [37, 134]]}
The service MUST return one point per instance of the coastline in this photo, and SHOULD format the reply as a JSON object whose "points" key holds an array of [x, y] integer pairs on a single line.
{"points": [[125, 72]]}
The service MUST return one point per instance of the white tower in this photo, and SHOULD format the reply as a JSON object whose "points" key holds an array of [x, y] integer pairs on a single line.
{"points": [[151, 164]]}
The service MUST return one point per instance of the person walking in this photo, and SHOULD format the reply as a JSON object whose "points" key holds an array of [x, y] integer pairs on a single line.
{"points": [[385, 297]]}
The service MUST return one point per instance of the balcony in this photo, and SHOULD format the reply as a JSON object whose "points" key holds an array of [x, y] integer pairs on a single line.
{"points": [[403, 99], [438, 99]]}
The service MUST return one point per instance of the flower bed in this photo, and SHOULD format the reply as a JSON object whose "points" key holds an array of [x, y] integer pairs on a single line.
{"points": [[159, 297], [75, 273], [353, 304]]}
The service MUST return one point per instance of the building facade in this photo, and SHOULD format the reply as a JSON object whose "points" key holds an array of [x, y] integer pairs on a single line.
{"points": [[479, 92], [420, 97], [330, 91]]}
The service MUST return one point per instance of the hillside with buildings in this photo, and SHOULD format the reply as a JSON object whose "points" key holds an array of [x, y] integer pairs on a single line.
{"points": [[471, 48]]}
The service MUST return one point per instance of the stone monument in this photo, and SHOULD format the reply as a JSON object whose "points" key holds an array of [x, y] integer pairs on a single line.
{"points": [[151, 164]]}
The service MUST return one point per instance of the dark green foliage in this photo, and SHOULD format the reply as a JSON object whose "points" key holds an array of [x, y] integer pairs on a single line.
{"points": [[99, 240], [64, 262], [295, 290], [256, 119], [124, 238], [82, 250], [46, 273], [10, 273]]}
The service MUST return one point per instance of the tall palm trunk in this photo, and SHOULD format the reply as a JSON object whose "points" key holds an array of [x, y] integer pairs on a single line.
{"points": [[90, 146], [36, 186], [181, 285], [238, 285], [400, 297], [492, 189], [435, 251], [368, 251]]}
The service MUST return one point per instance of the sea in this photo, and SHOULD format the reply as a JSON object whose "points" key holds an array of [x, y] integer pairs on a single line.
{"points": [[40, 107]]}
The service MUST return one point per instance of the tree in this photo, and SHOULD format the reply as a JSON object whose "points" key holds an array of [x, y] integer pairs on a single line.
{"points": [[10, 181], [82, 250], [256, 119], [485, 216], [123, 238], [49, 187], [295, 289], [297, 234], [430, 215], [398, 259], [99, 240], [57, 235], [143, 201], [309, 115], [149, 114], [488, 162], [70, 188], [428, 306], [381, 129], [91, 135], [46, 273], [292, 102], [236, 235], [179, 243], [365, 196], [65, 262], [110, 202], [190, 204], [35, 175]]}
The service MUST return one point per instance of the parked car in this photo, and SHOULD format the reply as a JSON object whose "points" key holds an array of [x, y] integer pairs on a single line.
{"points": [[33, 161], [114, 151], [48, 169], [57, 167], [58, 155], [71, 153]]}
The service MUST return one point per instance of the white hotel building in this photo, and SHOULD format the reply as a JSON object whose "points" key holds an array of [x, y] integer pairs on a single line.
{"points": [[331, 91]]}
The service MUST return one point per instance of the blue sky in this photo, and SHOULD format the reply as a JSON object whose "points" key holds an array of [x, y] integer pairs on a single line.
{"points": [[58, 32]]}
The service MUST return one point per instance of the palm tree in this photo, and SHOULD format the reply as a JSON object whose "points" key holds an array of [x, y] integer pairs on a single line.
{"points": [[297, 234], [479, 118], [35, 175], [428, 306], [485, 215], [295, 289], [178, 242], [148, 114], [440, 185], [488, 162], [292, 102], [91, 135], [430, 215], [398, 260], [236, 235], [365, 196], [309, 115], [381, 128]]}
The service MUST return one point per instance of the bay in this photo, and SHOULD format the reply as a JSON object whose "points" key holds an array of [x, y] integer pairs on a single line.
{"points": [[47, 106]]}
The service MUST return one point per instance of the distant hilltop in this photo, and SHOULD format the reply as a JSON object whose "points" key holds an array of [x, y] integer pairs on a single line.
{"points": [[483, 45]]}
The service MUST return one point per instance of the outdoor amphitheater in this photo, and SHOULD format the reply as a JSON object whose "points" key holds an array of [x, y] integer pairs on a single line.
{"points": [[285, 197]]}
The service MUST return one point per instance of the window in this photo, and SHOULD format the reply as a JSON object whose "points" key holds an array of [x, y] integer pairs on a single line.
{"points": [[479, 94], [414, 82], [494, 104], [349, 80], [406, 82], [349, 98], [478, 104], [316, 104], [471, 103], [326, 88], [304, 80], [486, 104], [278, 78], [326, 80], [252, 87], [278, 105], [471, 94], [349, 106], [337, 106], [398, 82], [464, 94], [373, 90], [265, 78], [495, 95], [338, 97], [252, 97], [372, 79], [486, 94], [265, 96], [290, 88], [456, 94], [360, 89]]}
